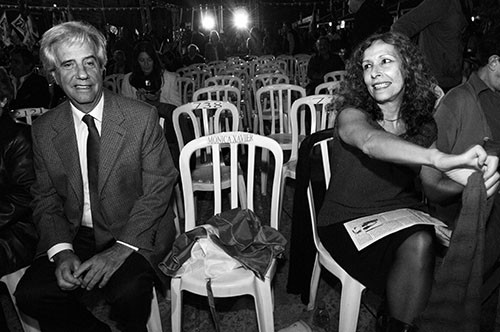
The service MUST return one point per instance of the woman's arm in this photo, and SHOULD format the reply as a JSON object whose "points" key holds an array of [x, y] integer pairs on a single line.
{"points": [[355, 130]]}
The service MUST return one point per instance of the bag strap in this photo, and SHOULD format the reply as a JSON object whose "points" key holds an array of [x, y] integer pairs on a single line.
{"points": [[211, 303]]}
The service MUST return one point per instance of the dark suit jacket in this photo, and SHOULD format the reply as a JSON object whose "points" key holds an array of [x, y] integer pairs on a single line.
{"points": [[34, 92], [136, 177]]}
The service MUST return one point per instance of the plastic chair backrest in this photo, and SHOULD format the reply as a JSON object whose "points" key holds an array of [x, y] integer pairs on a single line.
{"points": [[205, 117], [278, 99], [113, 82], [219, 92], [225, 80], [198, 75], [30, 114], [439, 94], [185, 87], [290, 61], [327, 87], [320, 118], [301, 65], [267, 79], [336, 75], [233, 140]]}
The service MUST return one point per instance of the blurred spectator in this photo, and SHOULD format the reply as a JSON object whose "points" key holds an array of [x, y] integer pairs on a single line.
{"points": [[271, 42], [125, 42], [214, 49], [369, 18], [439, 26], [324, 61], [291, 40], [193, 56], [198, 38], [118, 64], [254, 42], [31, 89]]}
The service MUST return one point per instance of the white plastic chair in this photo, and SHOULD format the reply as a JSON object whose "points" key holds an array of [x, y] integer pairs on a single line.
{"points": [[336, 75], [11, 280], [206, 118], [273, 105], [352, 290], [223, 93], [290, 61], [320, 118], [29, 114], [240, 281], [31, 325], [330, 87], [185, 87], [301, 64]]}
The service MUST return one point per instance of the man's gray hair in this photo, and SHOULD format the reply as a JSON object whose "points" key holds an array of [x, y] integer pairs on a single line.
{"points": [[71, 33]]}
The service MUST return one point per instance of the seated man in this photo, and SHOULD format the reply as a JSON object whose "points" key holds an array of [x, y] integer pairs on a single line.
{"points": [[32, 90], [324, 61], [468, 115], [18, 236], [193, 56], [104, 177]]}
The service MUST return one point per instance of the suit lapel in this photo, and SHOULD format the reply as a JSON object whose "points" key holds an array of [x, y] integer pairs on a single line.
{"points": [[112, 137], [65, 136]]}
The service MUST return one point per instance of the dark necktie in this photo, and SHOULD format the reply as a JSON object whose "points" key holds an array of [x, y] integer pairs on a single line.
{"points": [[93, 146]]}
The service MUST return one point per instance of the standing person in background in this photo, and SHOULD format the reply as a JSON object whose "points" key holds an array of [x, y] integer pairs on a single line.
{"points": [[104, 178], [324, 61], [254, 42], [198, 38], [193, 56], [31, 89], [291, 40], [214, 49], [369, 18], [18, 235], [439, 26]]}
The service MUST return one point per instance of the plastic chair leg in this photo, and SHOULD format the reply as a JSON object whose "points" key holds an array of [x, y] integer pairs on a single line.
{"points": [[316, 273], [264, 306], [154, 321], [349, 305], [176, 304], [265, 169]]}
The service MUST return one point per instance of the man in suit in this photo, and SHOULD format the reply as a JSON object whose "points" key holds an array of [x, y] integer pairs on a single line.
{"points": [[103, 218], [32, 90]]}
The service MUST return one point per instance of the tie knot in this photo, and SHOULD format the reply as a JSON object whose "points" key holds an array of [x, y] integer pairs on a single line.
{"points": [[89, 121]]}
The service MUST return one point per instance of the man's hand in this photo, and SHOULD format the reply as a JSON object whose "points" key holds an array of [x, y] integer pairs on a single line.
{"points": [[100, 268], [66, 264]]}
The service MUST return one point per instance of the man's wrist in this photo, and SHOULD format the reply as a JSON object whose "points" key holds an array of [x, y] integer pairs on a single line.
{"points": [[61, 255]]}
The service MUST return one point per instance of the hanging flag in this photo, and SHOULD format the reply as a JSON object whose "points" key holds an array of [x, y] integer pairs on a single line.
{"points": [[31, 35], [20, 25], [5, 30]]}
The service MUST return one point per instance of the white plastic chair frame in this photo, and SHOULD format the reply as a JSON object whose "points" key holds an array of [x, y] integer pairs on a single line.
{"points": [[222, 93], [113, 82], [301, 64], [336, 75], [29, 114], [273, 104], [352, 290], [240, 281], [290, 61], [320, 118], [185, 87], [330, 87], [30, 324]]}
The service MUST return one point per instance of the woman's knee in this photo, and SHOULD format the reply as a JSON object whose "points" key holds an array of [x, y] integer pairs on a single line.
{"points": [[419, 247]]}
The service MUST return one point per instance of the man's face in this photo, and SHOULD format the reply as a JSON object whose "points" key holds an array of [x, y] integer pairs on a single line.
{"points": [[79, 74], [494, 73], [17, 66]]}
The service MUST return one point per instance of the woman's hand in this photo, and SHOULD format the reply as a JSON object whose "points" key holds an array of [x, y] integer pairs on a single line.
{"points": [[474, 158], [144, 95]]}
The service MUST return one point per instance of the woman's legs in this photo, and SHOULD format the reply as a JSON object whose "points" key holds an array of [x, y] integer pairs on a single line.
{"points": [[409, 281]]}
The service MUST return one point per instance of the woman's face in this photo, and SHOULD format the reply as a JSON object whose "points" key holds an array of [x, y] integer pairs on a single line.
{"points": [[145, 62], [382, 72]]}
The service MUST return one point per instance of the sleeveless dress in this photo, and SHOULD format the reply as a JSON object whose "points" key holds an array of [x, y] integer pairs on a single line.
{"points": [[362, 186]]}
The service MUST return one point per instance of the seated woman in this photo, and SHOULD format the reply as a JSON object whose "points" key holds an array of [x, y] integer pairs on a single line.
{"points": [[18, 236], [149, 82], [385, 132]]}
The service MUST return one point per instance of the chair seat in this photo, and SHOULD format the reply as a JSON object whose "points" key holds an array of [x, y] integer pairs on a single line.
{"points": [[237, 282]]}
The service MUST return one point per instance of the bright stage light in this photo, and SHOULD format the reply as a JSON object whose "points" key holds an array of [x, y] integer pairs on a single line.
{"points": [[208, 22], [240, 19]]}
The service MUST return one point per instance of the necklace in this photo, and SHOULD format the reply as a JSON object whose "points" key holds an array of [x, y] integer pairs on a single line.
{"points": [[393, 120]]}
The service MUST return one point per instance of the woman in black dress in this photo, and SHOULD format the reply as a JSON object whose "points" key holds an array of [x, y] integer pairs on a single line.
{"points": [[385, 134]]}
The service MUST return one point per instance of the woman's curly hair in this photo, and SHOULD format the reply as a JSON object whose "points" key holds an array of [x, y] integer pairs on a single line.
{"points": [[419, 96]]}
